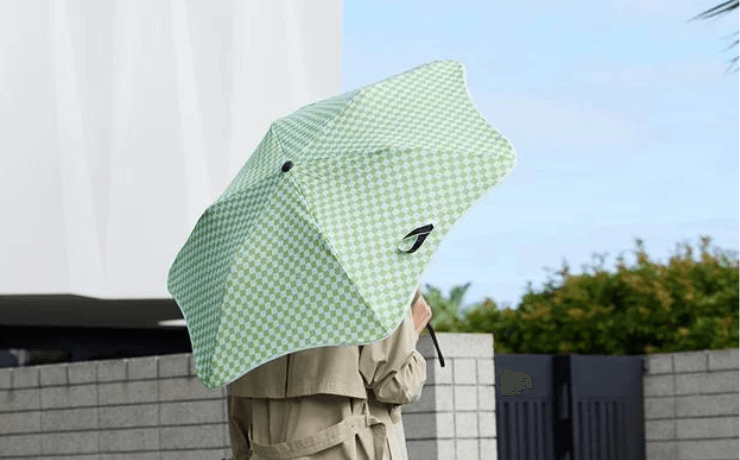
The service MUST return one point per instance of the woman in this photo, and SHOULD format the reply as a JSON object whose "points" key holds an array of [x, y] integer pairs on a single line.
{"points": [[331, 403]]}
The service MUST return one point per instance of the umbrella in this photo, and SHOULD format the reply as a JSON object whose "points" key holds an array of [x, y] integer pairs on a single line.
{"points": [[323, 235]]}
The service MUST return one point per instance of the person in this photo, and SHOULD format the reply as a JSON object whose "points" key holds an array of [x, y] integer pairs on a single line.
{"points": [[331, 403]]}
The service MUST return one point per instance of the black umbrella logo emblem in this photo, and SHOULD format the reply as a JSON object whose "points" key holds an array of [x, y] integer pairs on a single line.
{"points": [[413, 241]]}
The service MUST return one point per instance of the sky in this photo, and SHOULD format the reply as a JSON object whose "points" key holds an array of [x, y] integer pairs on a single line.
{"points": [[622, 114]]}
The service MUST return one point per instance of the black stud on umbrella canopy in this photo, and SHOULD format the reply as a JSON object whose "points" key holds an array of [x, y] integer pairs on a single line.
{"points": [[436, 344]]}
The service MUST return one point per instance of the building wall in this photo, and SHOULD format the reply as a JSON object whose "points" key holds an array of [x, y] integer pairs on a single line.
{"points": [[123, 120], [691, 405]]}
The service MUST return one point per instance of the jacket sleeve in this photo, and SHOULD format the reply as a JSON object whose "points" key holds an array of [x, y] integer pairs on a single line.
{"points": [[392, 368]]}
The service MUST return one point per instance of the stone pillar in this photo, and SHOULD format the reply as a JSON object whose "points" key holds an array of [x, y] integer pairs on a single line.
{"points": [[455, 417]]}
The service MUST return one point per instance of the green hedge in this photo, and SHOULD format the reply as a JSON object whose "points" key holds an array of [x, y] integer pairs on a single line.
{"points": [[648, 307]]}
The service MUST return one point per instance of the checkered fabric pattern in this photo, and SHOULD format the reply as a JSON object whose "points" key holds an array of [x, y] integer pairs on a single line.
{"points": [[286, 261]]}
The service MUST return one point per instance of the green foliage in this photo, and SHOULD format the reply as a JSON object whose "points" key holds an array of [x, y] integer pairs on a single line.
{"points": [[649, 307], [447, 315]]}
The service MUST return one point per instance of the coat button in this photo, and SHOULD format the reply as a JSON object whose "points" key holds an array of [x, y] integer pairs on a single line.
{"points": [[287, 165]]}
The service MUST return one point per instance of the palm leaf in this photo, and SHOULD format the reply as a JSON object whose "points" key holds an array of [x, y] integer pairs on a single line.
{"points": [[723, 8]]}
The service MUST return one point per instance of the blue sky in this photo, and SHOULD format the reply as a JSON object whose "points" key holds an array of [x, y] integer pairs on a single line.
{"points": [[624, 121]]}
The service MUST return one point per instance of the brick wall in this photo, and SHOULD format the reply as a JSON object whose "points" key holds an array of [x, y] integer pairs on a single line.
{"points": [[156, 408], [691, 405]]}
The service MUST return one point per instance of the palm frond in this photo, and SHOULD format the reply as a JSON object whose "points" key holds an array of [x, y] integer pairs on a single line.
{"points": [[733, 63], [732, 66], [722, 8]]}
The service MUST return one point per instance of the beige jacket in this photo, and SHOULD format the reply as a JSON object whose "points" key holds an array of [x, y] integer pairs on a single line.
{"points": [[331, 403]]}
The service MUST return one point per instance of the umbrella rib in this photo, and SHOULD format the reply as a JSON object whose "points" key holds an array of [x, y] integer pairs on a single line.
{"points": [[321, 231], [326, 126], [241, 247]]}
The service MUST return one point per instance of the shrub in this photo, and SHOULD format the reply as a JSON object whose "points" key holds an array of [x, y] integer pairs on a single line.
{"points": [[649, 307]]}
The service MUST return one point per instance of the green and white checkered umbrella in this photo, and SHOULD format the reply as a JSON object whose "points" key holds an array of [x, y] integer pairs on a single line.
{"points": [[322, 237]]}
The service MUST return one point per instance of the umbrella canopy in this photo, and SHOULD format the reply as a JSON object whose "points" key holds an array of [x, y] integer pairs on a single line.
{"points": [[323, 235]]}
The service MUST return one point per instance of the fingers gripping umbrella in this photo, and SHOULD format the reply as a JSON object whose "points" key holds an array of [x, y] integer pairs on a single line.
{"points": [[323, 235]]}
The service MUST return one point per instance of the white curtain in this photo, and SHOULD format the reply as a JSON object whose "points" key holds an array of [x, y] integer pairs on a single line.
{"points": [[120, 121]]}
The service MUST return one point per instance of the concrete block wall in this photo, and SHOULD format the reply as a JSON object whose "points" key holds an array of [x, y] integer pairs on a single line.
{"points": [[156, 408], [130, 409], [455, 418], [691, 405]]}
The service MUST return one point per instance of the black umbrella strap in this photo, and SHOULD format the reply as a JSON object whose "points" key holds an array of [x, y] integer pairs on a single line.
{"points": [[421, 234], [436, 344]]}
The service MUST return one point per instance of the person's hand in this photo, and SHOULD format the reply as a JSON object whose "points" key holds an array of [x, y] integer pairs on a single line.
{"points": [[422, 313]]}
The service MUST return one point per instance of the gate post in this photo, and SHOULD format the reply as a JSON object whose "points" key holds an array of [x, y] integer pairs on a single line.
{"points": [[562, 422], [455, 418]]}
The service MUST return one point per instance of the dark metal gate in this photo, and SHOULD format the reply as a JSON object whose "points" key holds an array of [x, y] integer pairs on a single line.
{"points": [[574, 407]]}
